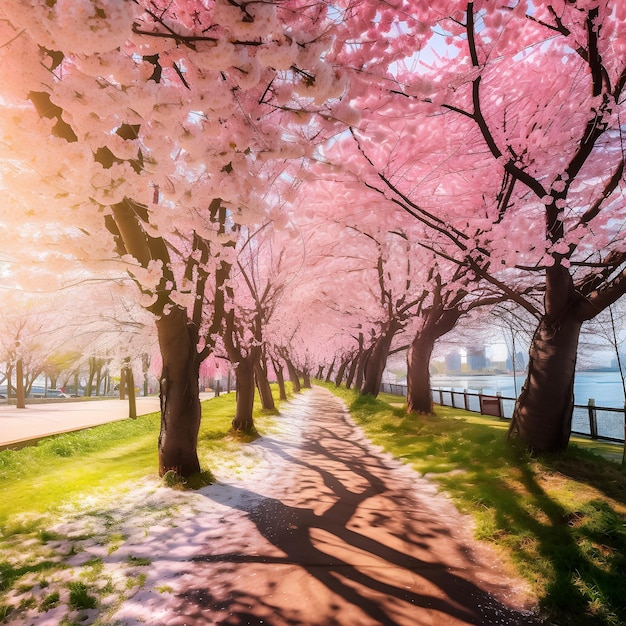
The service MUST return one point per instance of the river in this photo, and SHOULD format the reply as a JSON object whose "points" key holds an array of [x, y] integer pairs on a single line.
{"points": [[604, 387]]}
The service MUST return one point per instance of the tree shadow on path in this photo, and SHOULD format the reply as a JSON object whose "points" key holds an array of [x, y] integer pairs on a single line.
{"points": [[341, 535]]}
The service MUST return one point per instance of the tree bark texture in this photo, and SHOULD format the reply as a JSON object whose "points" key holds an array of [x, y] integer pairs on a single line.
{"points": [[543, 413], [377, 360], [419, 394], [92, 374], [306, 379], [437, 322], [280, 378], [352, 372], [130, 386], [122, 386], [263, 385], [542, 418], [293, 376], [329, 373], [341, 372], [179, 393], [244, 374], [19, 385], [360, 370]]}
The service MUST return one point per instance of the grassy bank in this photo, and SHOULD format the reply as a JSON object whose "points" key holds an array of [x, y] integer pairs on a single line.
{"points": [[560, 519], [69, 492]]}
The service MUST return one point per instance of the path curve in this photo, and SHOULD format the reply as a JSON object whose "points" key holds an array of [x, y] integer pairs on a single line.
{"points": [[327, 530]]}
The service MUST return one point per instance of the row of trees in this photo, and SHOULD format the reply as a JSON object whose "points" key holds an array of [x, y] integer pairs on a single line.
{"points": [[308, 183], [73, 347]]}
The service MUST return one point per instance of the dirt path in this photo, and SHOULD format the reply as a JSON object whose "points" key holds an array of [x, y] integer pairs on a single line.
{"points": [[325, 530]]}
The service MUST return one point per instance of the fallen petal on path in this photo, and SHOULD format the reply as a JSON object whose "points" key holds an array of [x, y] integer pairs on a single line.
{"points": [[326, 529]]}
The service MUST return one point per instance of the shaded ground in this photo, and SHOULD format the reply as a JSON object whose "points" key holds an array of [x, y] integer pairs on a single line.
{"points": [[309, 525], [324, 530]]}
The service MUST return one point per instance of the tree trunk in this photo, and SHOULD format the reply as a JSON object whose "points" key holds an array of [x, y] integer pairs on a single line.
{"points": [[320, 372], [244, 376], [263, 385], [352, 371], [9, 377], [130, 386], [92, 373], [98, 381], [340, 372], [306, 379], [377, 360], [543, 413], [145, 366], [438, 321], [122, 385], [129, 383], [179, 394], [280, 378], [360, 369], [419, 395], [293, 376], [329, 373], [19, 385]]}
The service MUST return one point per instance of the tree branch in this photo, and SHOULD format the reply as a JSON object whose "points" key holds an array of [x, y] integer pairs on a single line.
{"points": [[609, 188]]}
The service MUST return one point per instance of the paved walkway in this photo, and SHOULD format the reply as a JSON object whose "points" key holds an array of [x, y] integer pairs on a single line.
{"points": [[326, 531], [57, 416]]}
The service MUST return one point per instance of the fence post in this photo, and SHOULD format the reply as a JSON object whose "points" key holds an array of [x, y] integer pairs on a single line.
{"points": [[593, 422], [440, 396], [452, 396], [624, 451], [500, 407], [465, 400]]}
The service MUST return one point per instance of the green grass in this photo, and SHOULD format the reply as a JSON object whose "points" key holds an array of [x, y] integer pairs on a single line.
{"points": [[561, 519], [138, 561], [80, 597], [50, 601], [40, 478], [39, 481]]}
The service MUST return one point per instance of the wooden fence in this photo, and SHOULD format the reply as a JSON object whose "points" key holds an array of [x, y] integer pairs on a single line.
{"points": [[589, 420]]}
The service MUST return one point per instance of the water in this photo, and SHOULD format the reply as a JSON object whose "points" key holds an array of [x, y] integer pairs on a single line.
{"points": [[604, 387]]}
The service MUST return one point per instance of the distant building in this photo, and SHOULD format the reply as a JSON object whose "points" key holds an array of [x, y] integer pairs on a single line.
{"points": [[615, 364], [453, 361], [476, 359], [520, 362]]}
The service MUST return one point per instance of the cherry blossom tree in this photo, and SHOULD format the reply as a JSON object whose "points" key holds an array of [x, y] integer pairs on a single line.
{"points": [[319, 315], [249, 308], [308, 329], [567, 150], [23, 353], [149, 119], [408, 281], [142, 137], [503, 135]]}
